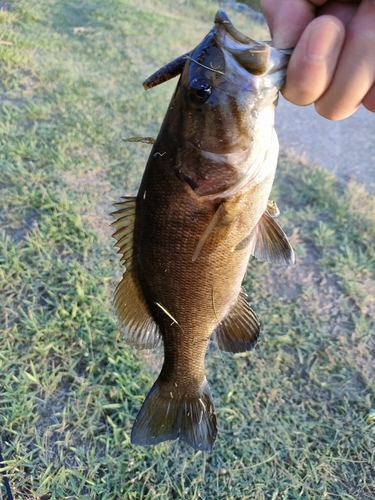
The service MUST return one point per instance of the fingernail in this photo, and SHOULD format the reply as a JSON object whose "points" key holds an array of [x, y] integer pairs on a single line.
{"points": [[322, 41]]}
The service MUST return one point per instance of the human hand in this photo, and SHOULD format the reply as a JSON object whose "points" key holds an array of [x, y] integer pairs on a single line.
{"points": [[333, 64]]}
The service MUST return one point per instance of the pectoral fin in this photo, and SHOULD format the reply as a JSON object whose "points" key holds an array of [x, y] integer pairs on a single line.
{"points": [[219, 220], [206, 234], [135, 319], [269, 243], [239, 331]]}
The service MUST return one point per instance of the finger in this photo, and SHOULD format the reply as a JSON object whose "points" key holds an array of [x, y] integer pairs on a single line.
{"points": [[287, 20], [313, 62], [369, 99], [355, 72], [343, 10]]}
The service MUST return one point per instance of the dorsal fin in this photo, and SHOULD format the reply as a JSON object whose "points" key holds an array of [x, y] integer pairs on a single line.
{"points": [[240, 329], [124, 225], [269, 243], [135, 319]]}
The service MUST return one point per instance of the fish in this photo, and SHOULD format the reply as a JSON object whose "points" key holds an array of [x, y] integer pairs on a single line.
{"points": [[201, 211]]}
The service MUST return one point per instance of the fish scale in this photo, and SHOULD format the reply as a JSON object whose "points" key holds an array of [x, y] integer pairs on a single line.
{"points": [[200, 213]]}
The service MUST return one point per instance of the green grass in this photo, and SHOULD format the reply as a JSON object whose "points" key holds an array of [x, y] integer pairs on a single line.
{"points": [[296, 415]]}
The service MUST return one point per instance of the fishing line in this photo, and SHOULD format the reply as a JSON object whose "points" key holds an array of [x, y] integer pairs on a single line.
{"points": [[206, 67], [5, 479], [168, 314], [213, 305]]}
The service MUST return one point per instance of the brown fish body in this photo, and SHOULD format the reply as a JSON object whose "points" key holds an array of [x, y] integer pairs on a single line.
{"points": [[197, 294], [199, 215]]}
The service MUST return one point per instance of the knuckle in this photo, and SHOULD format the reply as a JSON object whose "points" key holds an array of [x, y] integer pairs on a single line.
{"points": [[332, 111], [362, 36], [304, 85], [369, 100]]}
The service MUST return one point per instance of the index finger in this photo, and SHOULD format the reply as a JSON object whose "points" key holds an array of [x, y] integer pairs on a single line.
{"points": [[287, 19]]}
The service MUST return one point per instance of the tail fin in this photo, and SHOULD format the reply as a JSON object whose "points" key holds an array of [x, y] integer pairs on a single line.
{"points": [[165, 416]]}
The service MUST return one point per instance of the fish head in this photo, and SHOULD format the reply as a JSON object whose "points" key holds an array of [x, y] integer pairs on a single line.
{"points": [[227, 81]]}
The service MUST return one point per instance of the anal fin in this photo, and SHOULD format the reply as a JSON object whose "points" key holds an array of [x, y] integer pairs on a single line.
{"points": [[269, 243], [240, 329]]}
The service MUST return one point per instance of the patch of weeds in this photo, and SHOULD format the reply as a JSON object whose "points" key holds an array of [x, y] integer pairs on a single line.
{"points": [[295, 415]]}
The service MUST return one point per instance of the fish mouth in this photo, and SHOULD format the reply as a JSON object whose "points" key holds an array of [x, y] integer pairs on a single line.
{"points": [[251, 55], [257, 58], [222, 19]]}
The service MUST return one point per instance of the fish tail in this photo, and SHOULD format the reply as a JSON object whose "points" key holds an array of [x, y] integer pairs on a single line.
{"points": [[166, 416]]}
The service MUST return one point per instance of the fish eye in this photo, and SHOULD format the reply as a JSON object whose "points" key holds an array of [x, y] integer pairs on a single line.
{"points": [[200, 90]]}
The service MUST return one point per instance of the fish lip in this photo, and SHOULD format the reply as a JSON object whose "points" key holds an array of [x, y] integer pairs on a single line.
{"points": [[252, 55], [287, 52], [224, 24], [279, 59], [222, 19], [258, 58]]}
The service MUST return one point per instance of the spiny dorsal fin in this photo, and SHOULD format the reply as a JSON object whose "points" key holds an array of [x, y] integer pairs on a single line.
{"points": [[171, 415], [269, 243], [240, 329], [124, 225], [135, 319]]}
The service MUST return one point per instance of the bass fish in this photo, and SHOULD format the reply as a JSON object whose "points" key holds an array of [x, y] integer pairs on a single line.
{"points": [[201, 211]]}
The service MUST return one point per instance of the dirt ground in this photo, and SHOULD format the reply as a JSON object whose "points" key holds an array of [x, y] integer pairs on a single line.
{"points": [[346, 148]]}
